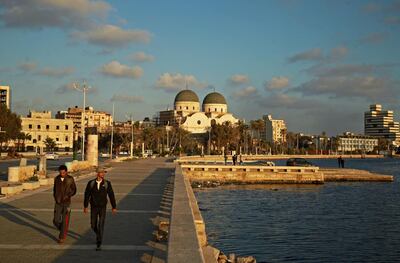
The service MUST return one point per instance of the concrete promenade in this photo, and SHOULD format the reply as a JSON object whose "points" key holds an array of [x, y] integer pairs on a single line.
{"points": [[143, 191]]}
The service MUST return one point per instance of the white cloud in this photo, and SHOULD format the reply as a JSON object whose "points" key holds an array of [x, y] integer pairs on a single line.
{"points": [[117, 70], [127, 98], [52, 13], [245, 92], [239, 79], [69, 87], [27, 66], [338, 52], [277, 83], [112, 36], [56, 73], [285, 101], [142, 57], [374, 38], [369, 87], [171, 82], [314, 54]]}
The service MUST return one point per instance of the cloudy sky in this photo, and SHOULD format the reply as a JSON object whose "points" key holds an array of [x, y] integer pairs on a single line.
{"points": [[316, 64]]}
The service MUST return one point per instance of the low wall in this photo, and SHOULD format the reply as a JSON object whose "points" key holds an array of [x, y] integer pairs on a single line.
{"points": [[21, 173], [253, 174], [220, 158], [184, 244], [78, 165]]}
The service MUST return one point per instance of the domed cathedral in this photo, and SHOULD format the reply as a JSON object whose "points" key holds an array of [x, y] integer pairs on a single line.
{"points": [[187, 102], [187, 113]]}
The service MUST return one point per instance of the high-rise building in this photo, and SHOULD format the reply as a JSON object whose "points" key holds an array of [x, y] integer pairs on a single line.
{"points": [[380, 124], [5, 96], [275, 130]]}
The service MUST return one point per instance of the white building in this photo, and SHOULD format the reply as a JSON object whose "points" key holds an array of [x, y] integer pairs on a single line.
{"points": [[275, 130], [188, 114], [5, 96], [380, 124], [351, 143]]}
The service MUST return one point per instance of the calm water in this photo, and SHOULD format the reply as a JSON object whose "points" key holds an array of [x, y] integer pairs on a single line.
{"points": [[334, 222]]}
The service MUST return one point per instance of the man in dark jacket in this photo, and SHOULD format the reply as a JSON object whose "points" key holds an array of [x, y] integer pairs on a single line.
{"points": [[96, 194], [64, 188]]}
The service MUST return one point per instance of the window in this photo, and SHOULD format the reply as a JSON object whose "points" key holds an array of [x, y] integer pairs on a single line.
{"points": [[57, 139], [66, 138], [66, 127], [30, 126], [39, 137], [198, 122], [47, 127], [187, 107], [193, 108], [57, 127], [38, 127], [34, 141], [222, 110]]}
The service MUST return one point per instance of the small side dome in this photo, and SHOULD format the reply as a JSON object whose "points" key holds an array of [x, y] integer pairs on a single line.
{"points": [[214, 98], [186, 95]]}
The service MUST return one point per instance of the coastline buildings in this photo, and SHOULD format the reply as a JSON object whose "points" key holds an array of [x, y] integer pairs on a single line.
{"points": [[99, 119], [41, 125], [348, 142], [380, 124], [5, 96], [275, 130], [188, 114]]}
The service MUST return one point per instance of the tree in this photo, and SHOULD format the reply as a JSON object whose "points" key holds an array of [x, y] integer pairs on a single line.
{"points": [[10, 124], [50, 144]]}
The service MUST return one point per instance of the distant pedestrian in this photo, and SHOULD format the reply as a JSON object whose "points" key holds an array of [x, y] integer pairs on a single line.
{"points": [[225, 158], [96, 194], [64, 188], [240, 160], [234, 159], [339, 161], [342, 163]]}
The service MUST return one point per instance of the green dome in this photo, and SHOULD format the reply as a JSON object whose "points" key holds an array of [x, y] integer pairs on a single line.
{"points": [[186, 95], [214, 98]]}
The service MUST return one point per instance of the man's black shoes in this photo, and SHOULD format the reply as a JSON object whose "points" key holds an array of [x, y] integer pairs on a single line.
{"points": [[98, 247]]}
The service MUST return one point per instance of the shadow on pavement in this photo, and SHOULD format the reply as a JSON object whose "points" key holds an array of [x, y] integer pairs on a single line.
{"points": [[129, 235], [24, 218]]}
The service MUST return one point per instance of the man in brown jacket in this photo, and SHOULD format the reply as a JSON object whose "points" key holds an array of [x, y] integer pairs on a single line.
{"points": [[64, 188]]}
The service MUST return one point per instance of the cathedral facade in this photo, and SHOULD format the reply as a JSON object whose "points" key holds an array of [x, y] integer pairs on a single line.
{"points": [[188, 114]]}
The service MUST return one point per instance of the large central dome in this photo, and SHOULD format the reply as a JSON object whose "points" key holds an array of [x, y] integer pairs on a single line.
{"points": [[214, 98], [186, 95]]}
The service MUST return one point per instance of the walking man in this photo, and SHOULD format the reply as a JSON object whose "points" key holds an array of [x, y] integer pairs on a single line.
{"points": [[64, 188], [96, 194]]}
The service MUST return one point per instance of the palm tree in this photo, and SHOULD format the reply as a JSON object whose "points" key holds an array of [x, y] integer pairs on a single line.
{"points": [[50, 144]]}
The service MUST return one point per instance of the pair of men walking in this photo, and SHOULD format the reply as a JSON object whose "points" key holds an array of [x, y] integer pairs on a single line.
{"points": [[96, 193]]}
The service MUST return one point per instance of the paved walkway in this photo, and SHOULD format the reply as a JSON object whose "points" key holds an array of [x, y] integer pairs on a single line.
{"points": [[143, 191]]}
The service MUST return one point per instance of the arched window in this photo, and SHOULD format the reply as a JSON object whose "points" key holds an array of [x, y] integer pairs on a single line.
{"points": [[215, 109]]}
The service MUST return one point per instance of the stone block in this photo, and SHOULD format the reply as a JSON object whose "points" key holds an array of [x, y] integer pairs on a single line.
{"points": [[13, 174], [11, 190], [46, 181], [30, 185]]}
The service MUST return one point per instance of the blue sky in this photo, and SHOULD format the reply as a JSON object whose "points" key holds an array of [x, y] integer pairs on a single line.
{"points": [[316, 64]]}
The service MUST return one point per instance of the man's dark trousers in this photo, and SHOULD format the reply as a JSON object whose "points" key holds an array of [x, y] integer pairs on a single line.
{"points": [[97, 219], [62, 214]]}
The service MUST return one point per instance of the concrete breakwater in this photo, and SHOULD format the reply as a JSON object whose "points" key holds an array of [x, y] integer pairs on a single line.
{"points": [[229, 174]]}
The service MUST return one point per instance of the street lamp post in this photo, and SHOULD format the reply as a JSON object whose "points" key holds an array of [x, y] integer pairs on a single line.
{"points": [[209, 140], [112, 133], [131, 118], [85, 88]]}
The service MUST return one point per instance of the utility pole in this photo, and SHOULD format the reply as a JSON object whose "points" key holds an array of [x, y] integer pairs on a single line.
{"points": [[112, 133], [83, 89]]}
